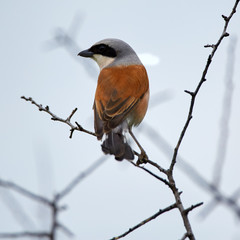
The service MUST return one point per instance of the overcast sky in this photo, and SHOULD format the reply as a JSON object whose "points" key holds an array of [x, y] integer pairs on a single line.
{"points": [[37, 153]]}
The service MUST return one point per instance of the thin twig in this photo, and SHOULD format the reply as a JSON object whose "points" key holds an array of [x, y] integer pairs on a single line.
{"points": [[65, 229], [193, 95], [80, 177], [161, 211], [54, 224], [70, 116], [184, 212], [202, 80], [21, 215], [25, 234], [191, 172], [169, 172], [151, 163], [184, 236], [66, 39], [56, 118], [165, 147], [157, 166], [187, 210], [151, 173], [224, 131], [231, 202], [225, 116], [24, 192]]}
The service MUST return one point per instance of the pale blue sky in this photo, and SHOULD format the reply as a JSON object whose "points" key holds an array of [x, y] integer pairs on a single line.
{"points": [[37, 153]]}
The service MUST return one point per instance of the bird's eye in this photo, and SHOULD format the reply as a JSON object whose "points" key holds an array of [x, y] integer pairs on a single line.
{"points": [[101, 48]]}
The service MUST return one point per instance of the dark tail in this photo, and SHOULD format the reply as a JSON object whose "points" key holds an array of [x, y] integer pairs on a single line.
{"points": [[116, 145]]}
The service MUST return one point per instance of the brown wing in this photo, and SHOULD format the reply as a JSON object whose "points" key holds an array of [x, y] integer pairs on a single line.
{"points": [[118, 92]]}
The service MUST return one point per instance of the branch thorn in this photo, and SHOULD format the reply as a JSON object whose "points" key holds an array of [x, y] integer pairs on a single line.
{"points": [[79, 126], [226, 34], [189, 92], [225, 18], [210, 46]]}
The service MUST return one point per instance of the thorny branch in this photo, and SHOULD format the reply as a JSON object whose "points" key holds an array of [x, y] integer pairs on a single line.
{"points": [[168, 172], [224, 130], [80, 177], [50, 203], [194, 175], [25, 234], [202, 80], [170, 182], [187, 210], [53, 204], [193, 95], [229, 201], [56, 118], [151, 173], [24, 192], [161, 211]]}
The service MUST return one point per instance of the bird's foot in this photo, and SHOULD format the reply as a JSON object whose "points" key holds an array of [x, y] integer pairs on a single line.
{"points": [[142, 158]]}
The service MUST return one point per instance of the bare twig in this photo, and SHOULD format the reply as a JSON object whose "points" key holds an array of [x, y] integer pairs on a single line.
{"points": [[184, 236], [55, 209], [66, 39], [226, 114], [160, 98], [21, 216], [80, 177], [24, 192], [169, 173], [65, 230], [150, 162], [229, 201], [157, 166], [224, 134], [54, 224], [25, 234], [193, 95], [70, 116], [202, 80], [190, 171], [172, 185], [161, 211], [187, 210], [165, 147], [56, 118], [151, 173]]}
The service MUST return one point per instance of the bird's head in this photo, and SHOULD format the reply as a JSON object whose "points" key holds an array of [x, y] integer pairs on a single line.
{"points": [[112, 52]]}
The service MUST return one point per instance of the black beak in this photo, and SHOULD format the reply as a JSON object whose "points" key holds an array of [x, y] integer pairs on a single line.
{"points": [[86, 53]]}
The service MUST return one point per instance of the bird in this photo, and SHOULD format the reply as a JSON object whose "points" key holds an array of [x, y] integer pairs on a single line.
{"points": [[121, 97]]}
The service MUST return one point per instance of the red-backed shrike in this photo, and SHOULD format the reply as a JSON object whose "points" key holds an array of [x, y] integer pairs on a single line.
{"points": [[122, 94]]}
